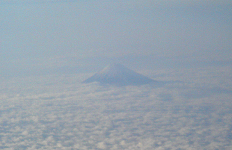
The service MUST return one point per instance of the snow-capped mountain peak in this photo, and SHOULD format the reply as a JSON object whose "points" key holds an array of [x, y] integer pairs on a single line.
{"points": [[117, 74]]}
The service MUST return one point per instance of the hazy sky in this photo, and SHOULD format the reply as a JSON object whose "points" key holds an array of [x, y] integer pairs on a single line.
{"points": [[168, 40], [71, 35]]}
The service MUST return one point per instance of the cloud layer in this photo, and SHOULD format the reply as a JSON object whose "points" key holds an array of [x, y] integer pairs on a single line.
{"points": [[58, 112]]}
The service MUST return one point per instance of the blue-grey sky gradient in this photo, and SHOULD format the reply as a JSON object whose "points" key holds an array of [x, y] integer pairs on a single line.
{"points": [[51, 35], [49, 47]]}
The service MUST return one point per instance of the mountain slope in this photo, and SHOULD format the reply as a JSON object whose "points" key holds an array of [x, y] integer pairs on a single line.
{"points": [[118, 74]]}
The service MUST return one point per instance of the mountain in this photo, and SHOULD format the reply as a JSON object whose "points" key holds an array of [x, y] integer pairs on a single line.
{"points": [[117, 74]]}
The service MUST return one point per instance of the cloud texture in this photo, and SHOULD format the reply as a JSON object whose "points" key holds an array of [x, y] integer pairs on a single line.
{"points": [[58, 112]]}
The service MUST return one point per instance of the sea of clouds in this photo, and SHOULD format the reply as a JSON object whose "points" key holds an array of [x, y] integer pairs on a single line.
{"points": [[58, 112]]}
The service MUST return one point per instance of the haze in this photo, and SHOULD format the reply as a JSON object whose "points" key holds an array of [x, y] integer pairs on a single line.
{"points": [[48, 47]]}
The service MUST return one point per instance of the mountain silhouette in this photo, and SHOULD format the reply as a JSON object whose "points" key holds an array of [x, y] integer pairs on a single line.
{"points": [[117, 74]]}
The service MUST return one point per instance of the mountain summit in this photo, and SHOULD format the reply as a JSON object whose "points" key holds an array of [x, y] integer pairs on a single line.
{"points": [[117, 74]]}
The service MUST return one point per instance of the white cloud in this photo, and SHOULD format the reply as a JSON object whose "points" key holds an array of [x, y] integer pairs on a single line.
{"points": [[89, 116]]}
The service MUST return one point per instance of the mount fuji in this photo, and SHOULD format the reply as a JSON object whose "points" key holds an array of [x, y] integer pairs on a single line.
{"points": [[119, 75]]}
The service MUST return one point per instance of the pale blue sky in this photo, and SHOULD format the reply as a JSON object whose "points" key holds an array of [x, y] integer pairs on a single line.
{"points": [[70, 36]]}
